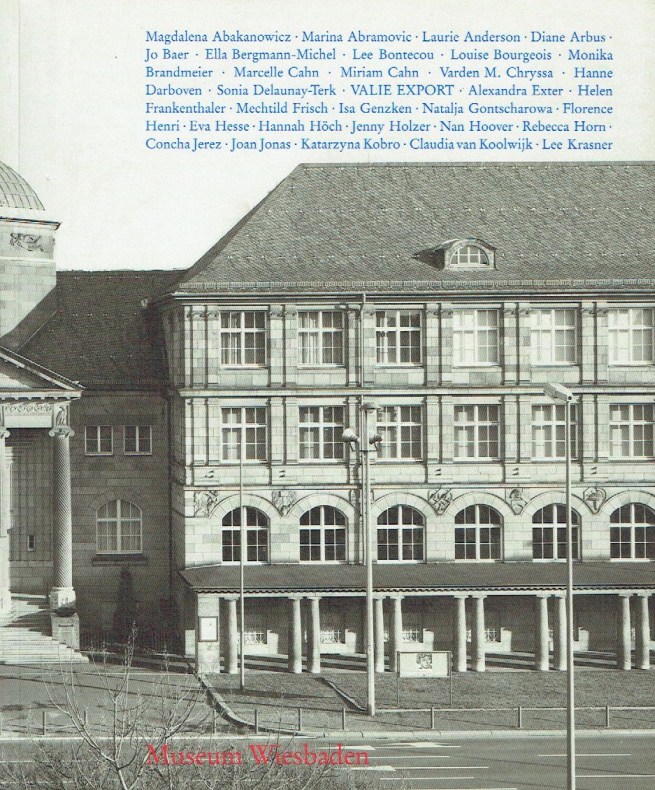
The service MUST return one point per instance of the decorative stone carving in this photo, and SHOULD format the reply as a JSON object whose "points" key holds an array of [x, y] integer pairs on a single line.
{"points": [[284, 500], [28, 241], [205, 503], [516, 501], [61, 416], [28, 407], [441, 499], [595, 498]]}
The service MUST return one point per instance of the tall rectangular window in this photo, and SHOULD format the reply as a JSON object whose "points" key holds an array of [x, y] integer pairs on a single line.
{"points": [[477, 431], [137, 439], [631, 430], [319, 433], [475, 337], [99, 440], [401, 429], [243, 426], [548, 431], [554, 336], [243, 338], [630, 335], [320, 337], [398, 337]]}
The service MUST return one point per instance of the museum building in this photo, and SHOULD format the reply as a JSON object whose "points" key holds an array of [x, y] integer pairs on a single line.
{"points": [[144, 414]]}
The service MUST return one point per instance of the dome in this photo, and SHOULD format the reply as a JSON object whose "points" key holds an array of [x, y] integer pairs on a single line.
{"points": [[15, 192]]}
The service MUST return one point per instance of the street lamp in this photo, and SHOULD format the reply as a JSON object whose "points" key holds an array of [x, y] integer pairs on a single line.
{"points": [[242, 567], [562, 394], [374, 440]]}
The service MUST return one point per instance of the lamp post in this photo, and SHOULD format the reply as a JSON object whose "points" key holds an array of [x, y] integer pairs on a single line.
{"points": [[242, 563], [350, 437], [561, 394]]}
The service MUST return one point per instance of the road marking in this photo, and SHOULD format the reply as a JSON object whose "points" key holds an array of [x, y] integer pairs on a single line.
{"points": [[615, 776], [445, 779], [372, 768], [590, 754], [445, 767], [422, 745]]}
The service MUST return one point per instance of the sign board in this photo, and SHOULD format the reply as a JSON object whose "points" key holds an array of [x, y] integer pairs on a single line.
{"points": [[423, 664], [208, 629]]}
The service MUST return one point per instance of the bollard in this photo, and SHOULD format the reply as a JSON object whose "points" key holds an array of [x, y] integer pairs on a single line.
{"points": [[44, 719], [213, 721], [256, 721], [343, 718], [85, 719], [607, 715], [432, 717], [0, 722], [520, 717], [299, 719]]}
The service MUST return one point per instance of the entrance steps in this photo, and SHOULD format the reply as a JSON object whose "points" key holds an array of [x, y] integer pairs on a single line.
{"points": [[25, 635]]}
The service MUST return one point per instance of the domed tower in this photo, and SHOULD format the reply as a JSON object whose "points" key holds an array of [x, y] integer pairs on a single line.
{"points": [[27, 267]]}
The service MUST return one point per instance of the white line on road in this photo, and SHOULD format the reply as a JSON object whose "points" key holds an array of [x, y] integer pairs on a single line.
{"points": [[589, 754], [615, 776], [445, 779], [371, 768], [445, 767], [421, 745]]}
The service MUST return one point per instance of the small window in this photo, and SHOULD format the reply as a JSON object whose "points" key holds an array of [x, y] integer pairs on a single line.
{"points": [[99, 440], [31, 542], [137, 439]]}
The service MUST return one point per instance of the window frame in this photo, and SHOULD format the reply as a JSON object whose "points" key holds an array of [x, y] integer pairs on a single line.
{"points": [[477, 426], [323, 427], [631, 424], [137, 439], [405, 535], [251, 529], [241, 428], [633, 525], [477, 526], [400, 427], [552, 424], [119, 520], [555, 527], [397, 332], [544, 355], [322, 527], [321, 332], [614, 349], [98, 439], [241, 332], [466, 323]]}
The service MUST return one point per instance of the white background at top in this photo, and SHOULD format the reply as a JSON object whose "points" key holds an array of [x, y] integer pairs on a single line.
{"points": [[72, 88]]}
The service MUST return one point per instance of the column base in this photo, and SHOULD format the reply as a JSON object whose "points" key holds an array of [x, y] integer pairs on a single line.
{"points": [[61, 596]]}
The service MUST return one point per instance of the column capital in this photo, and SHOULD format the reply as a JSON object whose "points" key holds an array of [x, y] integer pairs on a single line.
{"points": [[542, 594], [644, 594], [295, 597], [626, 594], [479, 595], [312, 597], [397, 597], [461, 596], [4, 433], [230, 597], [61, 430]]}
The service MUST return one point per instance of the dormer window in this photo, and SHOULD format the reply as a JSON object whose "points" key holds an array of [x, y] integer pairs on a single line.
{"points": [[469, 253]]}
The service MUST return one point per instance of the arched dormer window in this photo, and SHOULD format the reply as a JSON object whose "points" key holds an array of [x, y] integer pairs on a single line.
{"points": [[470, 253]]}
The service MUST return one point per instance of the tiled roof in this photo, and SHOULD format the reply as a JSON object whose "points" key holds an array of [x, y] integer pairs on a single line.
{"points": [[15, 192], [376, 226], [99, 334], [442, 576]]}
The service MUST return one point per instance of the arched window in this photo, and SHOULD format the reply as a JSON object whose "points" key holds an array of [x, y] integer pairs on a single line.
{"points": [[323, 535], [549, 533], [632, 533], [478, 533], [256, 535], [118, 528], [401, 534], [469, 255]]}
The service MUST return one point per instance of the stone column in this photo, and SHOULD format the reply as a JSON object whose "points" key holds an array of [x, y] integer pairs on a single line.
{"points": [[395, 632], [378, 603], [62, 592], [460, 634], [314, 641], [541, 653], [623, 635], [643, 632], [232, 647], [294, 646], [559, 635], [479, 635], [5, 524]]}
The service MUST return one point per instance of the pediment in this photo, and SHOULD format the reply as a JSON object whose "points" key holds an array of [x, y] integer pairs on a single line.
{"points": [[21, 376]]}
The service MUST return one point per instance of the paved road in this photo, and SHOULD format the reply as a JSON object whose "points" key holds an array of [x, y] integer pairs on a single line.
{"points": [[535, 763], [607, 762]]}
